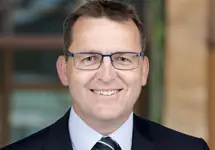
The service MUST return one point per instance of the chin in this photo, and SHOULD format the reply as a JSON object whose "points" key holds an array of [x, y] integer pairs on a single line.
{"points": [[108, 114]]}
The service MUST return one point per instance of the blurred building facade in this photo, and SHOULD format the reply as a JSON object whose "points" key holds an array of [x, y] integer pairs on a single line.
{"points": [[186, 66], [189, 67], [31, 96]]}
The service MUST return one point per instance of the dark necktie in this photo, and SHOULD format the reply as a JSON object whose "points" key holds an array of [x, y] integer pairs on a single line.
{"points": [[106, 143]]}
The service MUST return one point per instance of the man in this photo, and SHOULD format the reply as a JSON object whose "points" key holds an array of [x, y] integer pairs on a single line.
{"points": [[105, 68]]}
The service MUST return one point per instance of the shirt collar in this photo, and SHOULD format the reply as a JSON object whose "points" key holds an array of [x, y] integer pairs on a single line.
{"points": [[84, 137], [123, 135]]}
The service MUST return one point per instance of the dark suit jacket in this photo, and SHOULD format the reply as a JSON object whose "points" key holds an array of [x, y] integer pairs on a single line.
{"points": [[147, 135]]}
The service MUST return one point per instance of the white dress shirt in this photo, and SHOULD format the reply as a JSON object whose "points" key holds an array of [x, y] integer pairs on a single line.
{"points": [[84, 137]]}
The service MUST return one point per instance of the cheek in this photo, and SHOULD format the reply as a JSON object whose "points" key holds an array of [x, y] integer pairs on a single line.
{"points": [[78, 78], [134, 86], [132, 78], [78, 81]]}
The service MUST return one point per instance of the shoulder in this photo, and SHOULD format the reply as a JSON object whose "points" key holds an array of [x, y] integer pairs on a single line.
{"points": [[45, 138], [164, 136], [33, 142]]}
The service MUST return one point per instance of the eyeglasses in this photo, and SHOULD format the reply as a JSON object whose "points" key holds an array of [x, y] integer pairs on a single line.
{"points": [[93, 60]]}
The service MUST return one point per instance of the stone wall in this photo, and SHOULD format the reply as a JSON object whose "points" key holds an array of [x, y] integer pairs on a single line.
{"points": [[186, 67]]}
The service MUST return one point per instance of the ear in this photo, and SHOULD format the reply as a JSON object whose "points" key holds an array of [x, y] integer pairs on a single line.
{"points": [[145, 70], [61, 70]]}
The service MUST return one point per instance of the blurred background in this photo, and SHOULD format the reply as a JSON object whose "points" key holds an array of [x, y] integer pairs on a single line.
{"points": [[180, 92]]}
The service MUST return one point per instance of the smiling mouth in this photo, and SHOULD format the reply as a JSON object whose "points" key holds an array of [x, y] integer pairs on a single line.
{"points": [[106, 92]]}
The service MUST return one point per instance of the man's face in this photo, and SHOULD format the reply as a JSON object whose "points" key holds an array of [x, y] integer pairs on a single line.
{"points": [[105, 93]]}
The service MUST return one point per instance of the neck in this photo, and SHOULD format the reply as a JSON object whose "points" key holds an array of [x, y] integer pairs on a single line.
{"points": [[104, 127]]}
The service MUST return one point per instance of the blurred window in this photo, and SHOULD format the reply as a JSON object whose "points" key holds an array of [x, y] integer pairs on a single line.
{"points": [[34, 110], [35, 66], [37, 99], [40, 16]]}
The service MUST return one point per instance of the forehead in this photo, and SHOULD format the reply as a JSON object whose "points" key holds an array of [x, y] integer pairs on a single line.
{"points": [[103, 34]]}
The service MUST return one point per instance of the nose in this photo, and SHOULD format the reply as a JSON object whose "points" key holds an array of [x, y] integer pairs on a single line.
{"points": [[106, 72]]}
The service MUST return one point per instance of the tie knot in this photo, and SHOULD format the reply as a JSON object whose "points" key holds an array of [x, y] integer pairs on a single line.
{"points": [[106, 143]]}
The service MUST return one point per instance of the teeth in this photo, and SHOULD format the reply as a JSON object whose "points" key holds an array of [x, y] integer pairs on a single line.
{"points": [[105, 92]]}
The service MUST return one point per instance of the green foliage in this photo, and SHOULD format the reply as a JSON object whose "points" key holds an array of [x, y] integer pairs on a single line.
{"points": [[157, 60]]}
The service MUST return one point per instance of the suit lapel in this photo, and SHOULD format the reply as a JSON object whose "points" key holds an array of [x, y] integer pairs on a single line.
{"points": [[141, 137], [58, 137]]}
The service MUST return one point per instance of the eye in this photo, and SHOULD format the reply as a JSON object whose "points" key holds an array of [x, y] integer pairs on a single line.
{"points": [[89, 59], [124, 59]]}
